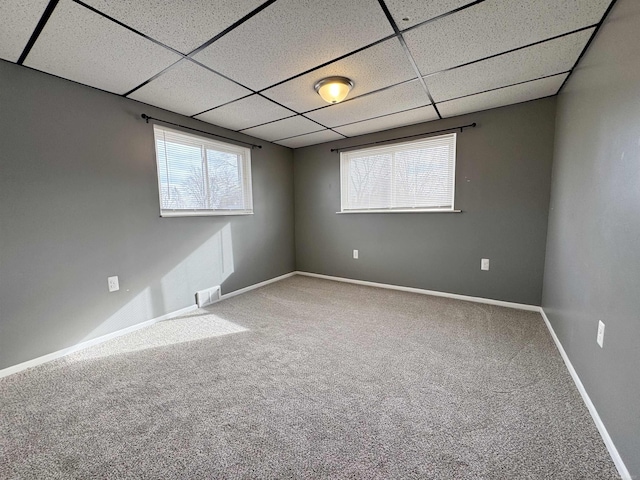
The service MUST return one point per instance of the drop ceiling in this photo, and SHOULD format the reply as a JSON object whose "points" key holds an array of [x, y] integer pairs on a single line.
{"points": [[250, 65]]}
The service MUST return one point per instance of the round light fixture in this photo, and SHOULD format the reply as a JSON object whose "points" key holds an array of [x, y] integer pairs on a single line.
{"points": [[334, 89]]}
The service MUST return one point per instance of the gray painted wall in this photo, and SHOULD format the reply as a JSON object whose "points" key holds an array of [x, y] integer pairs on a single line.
{"points": [[593, 249], [502, 185], [79, 202]]}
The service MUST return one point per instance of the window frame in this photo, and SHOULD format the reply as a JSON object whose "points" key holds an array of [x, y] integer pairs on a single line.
{"points": [[403, 209], [245, 169]]}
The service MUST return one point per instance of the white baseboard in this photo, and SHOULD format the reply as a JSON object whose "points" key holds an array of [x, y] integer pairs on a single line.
{"points": [[613, 451], [466, 298], [94, 341], [254, 286]]}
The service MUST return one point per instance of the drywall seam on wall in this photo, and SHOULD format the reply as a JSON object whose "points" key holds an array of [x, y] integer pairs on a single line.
{"points": [[613, 451]]}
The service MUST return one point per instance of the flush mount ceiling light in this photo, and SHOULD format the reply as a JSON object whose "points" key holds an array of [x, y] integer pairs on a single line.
{"points": [[334, 89]]}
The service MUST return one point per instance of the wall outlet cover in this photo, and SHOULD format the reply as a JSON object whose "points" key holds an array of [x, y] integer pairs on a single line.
{"points": [[484, 264], [113, 283]]}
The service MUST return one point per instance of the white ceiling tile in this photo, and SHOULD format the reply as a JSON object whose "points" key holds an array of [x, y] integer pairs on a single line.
{"points": [[409, 117], [418, 11], [504, 96], [392, 100], [81, 45], [180, 25], [541, 60], [245, 113], [495, 26], [371, 69], [189, 88], [310, 139], [18, 19], [289, 127], [291, 36]]}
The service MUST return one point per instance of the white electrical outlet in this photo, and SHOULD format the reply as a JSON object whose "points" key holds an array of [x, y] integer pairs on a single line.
{"points": [[355, 254], [484, 264], [114, 286], [600, 337]]}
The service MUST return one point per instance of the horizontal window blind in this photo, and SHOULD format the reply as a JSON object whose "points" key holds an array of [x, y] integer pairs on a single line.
{"points": [[417, 175], [200, 176]]}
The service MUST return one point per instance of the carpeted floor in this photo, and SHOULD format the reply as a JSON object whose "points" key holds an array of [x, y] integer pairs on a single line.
{"points": [[309, 378]]}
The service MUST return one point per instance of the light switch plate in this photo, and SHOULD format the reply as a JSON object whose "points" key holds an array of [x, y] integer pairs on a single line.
{"points": [[600, 337]]}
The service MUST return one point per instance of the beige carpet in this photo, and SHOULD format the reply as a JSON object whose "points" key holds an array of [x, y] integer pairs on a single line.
{"points": [[309, 378]]}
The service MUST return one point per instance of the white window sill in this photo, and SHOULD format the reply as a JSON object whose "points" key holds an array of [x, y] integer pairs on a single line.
{"points": [[189, 213], [409, 210]]}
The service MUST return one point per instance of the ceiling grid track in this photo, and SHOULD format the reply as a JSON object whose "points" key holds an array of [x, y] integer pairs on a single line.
{"points": [[296, 113], [51, 6], [407, 52], [303, 113], [221, 105], [442, 15], [188, 56], [446, 70], [334, 60], [424, 76], [505, 86], [124, 25], [53, 3], [586, 47], [381, 116], [302, 135], [373, 44], [372, 92], [524, 47]]}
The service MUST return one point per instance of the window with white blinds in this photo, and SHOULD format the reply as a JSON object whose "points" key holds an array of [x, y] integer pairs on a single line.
{"points": [[411, 176], [200, 176]]}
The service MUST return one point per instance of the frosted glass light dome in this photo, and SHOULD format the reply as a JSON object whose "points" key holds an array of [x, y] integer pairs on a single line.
{"points": [[334, 89]]}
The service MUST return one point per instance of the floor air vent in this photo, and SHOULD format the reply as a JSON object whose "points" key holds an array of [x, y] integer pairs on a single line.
{"points": [[208, 296]]}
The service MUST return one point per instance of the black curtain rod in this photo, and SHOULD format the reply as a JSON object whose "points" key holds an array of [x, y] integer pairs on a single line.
{"points": [[461, 128], [147, 118]]}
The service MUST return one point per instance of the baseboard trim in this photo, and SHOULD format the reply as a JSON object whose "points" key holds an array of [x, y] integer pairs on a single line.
{"points": [[613, 451], [435, 293], [94, 341], [254, 286]]}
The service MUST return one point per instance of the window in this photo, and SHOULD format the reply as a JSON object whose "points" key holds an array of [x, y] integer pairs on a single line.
{"points": [[200, 176], [412, 176]]}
